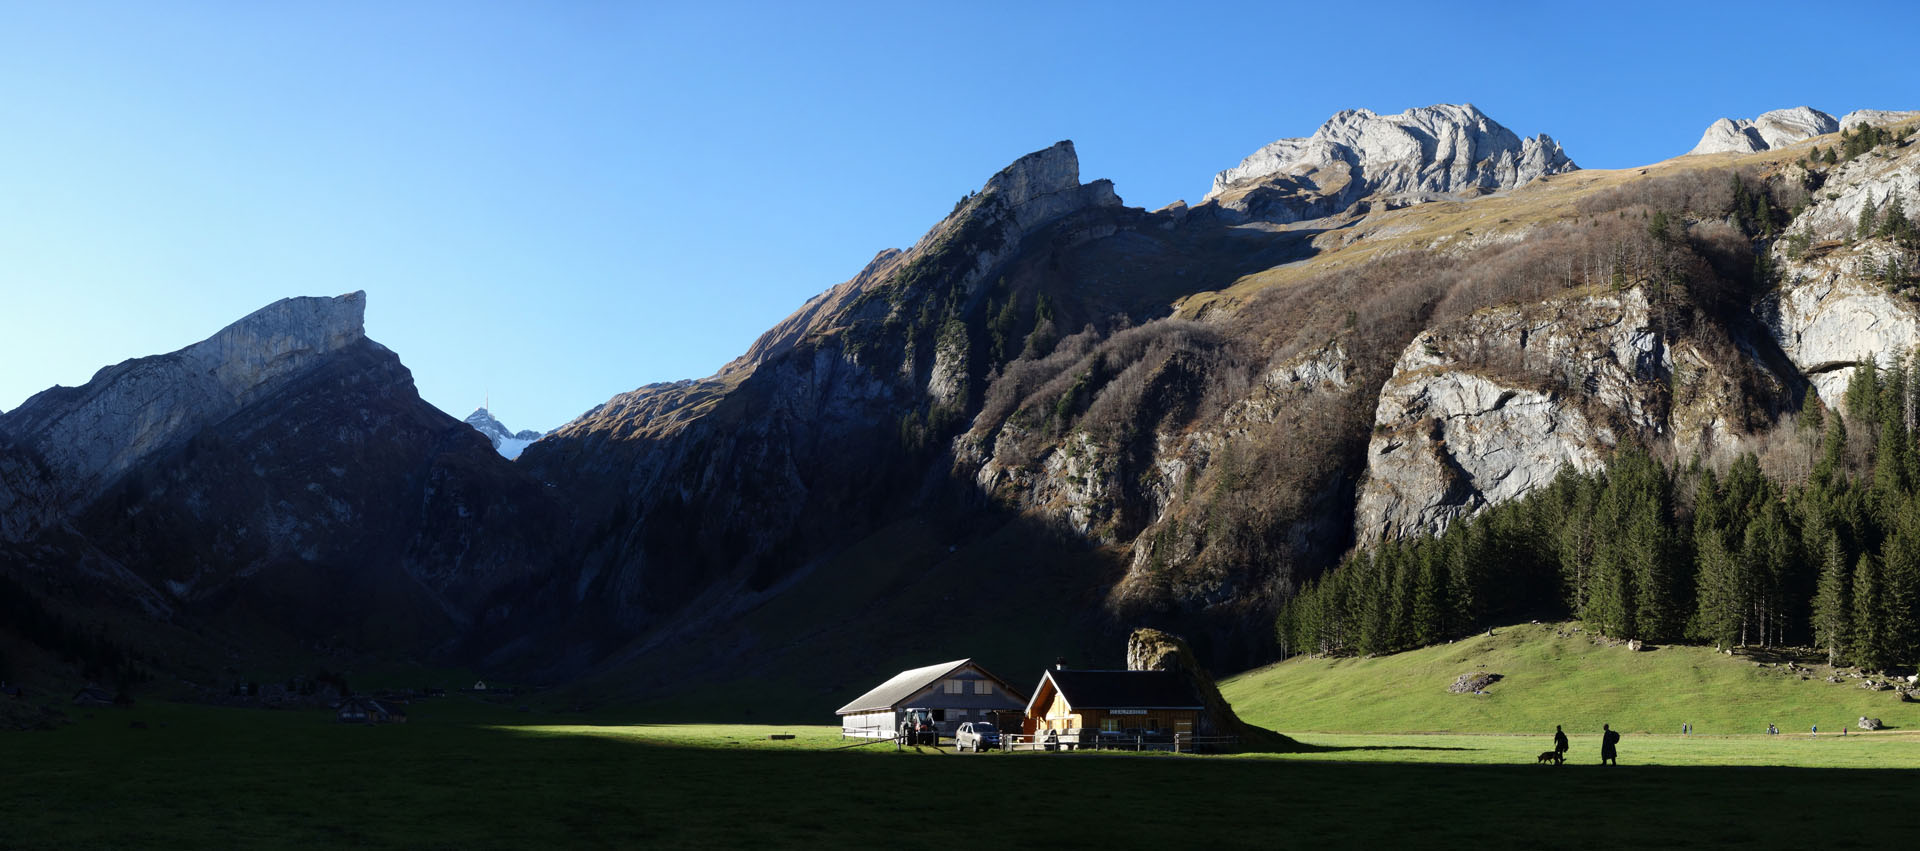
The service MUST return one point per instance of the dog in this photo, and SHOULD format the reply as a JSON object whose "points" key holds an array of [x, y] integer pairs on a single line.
{"points": [[1553, 757]]}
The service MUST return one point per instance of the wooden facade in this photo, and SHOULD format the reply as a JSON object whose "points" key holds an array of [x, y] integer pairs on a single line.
{"points": [[1077, 706]]}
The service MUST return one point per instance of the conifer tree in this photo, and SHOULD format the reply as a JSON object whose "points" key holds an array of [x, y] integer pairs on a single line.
{"points": [[1868, 217], [1868, 640], [1900, 594], [1811, 411], [1894, 224], [1717, 616], [1430, 598], [1832, 604]]}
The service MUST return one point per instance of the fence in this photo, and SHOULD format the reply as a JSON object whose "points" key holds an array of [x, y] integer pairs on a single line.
{"points": [[1140, 742]]}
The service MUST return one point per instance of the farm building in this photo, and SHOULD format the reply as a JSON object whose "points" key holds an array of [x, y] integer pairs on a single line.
{"points": [[955, 692], [363, 710], [1080, 705], [93, 696]]}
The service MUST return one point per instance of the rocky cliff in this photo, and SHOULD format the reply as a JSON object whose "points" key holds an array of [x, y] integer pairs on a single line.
{"points": [[1491, 407], [1435, 151], [1840, 299], [1775, 129], [89, 436], [279, 483], [1783, 127]]}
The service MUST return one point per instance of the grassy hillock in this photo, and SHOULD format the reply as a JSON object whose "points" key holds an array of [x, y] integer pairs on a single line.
{"points": [[1551, 674]]}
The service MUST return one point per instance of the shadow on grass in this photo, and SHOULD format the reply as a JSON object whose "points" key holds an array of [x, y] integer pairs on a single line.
{"points": [[1308, 748], [305, 782]]}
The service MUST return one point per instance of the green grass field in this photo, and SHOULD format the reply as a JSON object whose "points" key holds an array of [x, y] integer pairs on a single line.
{"points": [[468, 774], [463, 776], [1553, 675]]}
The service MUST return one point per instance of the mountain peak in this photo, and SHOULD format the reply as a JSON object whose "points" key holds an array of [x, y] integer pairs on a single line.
{"points": [[507, 442], [90, 434], [281, 338], [1773, 129], [1441, 149]]}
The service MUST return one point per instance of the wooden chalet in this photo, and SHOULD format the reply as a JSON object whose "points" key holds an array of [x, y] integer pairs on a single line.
{"points": [[955, 692], [1078, 706]]}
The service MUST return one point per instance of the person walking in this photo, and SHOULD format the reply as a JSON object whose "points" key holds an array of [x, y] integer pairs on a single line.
{"points": [[1609, 754], [1559, 740]]}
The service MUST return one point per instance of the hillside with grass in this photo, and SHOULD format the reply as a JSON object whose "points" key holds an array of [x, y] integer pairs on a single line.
{"points": [[1561, 673]]}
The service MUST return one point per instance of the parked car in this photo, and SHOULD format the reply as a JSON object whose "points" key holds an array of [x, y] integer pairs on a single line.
{"points": [[976, 736]]}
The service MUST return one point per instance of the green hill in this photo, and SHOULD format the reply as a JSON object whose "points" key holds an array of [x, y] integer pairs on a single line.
{"points": [[1556, 673]]}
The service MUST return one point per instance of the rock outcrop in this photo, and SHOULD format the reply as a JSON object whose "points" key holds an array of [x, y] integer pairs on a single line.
{"points": [[1154, 650], [1881, 117], [1832, 310], [1435, 151], [89, 436], [1771, 130], [1491, 407]]}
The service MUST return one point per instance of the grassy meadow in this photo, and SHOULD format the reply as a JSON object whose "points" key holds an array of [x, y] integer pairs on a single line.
{"points": [[1554, 674], [471, 774]]}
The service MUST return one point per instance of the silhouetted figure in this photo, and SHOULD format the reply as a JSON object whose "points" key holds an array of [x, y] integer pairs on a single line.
{"points": [[1559, 740], [1608, 739]]}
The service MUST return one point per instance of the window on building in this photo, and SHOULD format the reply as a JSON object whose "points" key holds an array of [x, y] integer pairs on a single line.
{"points": [[953, 686], [1109, 724], [939, 715], [982, 687]]}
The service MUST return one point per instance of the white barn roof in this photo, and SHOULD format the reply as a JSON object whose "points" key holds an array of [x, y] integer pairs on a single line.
{"points": [[902, 686]]}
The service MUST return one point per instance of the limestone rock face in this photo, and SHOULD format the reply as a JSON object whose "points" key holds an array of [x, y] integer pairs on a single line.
{"points": [[1045, 185], [1875, 177], [1439, 150], [1771, 130], [1492, 406], [1830, 316], [1830, 311], [89, 435], [1860, 117], [1483, 442]]}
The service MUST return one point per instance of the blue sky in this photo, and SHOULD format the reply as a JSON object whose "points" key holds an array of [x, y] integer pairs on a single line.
{"points": [[555, 202]]}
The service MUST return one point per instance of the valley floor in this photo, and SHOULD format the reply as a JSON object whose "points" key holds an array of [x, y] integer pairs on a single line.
{"points": [[472, 776]]}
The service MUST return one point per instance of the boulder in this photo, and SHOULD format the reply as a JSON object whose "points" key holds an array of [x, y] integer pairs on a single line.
{"points": [[1869, 723], [1154, 650], [1473, 683]]}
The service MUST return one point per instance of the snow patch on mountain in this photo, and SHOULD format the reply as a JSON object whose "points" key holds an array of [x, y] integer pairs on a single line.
{"points": [[507, 442]]}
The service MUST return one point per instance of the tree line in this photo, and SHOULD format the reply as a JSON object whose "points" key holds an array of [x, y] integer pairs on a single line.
{"points": [[1643, 550]]}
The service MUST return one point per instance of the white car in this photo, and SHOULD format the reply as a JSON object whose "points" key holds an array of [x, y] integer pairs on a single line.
{"points": [[976, 736]]}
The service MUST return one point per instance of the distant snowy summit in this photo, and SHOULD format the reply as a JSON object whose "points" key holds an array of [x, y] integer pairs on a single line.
{"points": [[506, 442]]}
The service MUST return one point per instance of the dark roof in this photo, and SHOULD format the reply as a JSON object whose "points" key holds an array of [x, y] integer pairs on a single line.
{"points": [[1125, 689]]}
